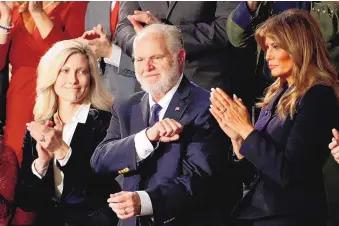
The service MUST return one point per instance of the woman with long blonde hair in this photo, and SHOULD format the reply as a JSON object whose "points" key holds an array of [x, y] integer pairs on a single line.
{"points": [[27, 31], [286, 149], [71, 116]]}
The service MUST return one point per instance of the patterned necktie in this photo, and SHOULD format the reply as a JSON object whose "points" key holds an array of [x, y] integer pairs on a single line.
{"points": [[155, 115]]}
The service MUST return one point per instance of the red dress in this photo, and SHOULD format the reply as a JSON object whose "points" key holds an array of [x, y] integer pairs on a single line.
{"points": [[25, 52]]}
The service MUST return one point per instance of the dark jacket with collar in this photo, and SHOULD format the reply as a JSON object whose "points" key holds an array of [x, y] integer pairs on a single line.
{"points": [[84, 193], [120, 79], [288, 156], [185, 179]]}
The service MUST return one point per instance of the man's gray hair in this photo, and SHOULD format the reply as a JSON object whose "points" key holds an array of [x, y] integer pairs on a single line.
{"points": [[171, 34]]}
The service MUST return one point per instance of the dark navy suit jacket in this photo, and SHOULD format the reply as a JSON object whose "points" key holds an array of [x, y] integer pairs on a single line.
{"points": [[287, 157], [182, 178], [84, 197]]}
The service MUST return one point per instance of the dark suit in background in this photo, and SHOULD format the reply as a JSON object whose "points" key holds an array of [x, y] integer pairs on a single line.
{"points": [[185, 179], [210, 60], [120, 80], [84, 197], [287, 157]]}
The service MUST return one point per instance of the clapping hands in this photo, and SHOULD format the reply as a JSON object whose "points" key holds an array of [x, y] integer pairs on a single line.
{"points": [[334, 145], [231, 114], [141, 17]]}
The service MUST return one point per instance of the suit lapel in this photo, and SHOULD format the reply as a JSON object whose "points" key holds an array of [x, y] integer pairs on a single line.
{"points": [[175, 110], [78, 141], [274, 101], [178, 105], [170, 8], [267, 113], [139, 121], [140, 109], [79, 134], [81, 131]]}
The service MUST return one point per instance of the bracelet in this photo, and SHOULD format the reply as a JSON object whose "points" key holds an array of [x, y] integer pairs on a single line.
{"points": [[7, 28], [4, 31]]}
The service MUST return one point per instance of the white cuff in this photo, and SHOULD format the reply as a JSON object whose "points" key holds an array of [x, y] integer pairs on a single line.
{"points": [[146, 204], [64, 161], [43, 171], [143, 146], [115, 56]]}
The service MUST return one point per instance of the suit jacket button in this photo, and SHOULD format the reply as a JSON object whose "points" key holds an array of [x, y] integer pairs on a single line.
{"points": [[266, 112]]}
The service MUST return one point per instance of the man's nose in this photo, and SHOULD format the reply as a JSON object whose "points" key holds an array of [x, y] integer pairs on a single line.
{"points": [[149, 65]]}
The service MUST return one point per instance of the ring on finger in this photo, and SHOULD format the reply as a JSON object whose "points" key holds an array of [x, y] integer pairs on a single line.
{"points": [[125, 211], [223, 111]]}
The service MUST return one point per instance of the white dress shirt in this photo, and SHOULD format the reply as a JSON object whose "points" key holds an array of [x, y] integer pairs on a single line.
{"points": [[116, 50], [144, 147], [67, 135], [115, 56]]}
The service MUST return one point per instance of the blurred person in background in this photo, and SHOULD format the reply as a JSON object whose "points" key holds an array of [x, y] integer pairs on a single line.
{"points": [[116, 67]]}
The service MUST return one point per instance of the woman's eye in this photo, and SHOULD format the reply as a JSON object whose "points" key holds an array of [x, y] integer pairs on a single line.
{"points": [[64, 70]]}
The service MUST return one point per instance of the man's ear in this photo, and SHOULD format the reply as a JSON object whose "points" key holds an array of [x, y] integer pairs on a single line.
{"points": [[182, 56]]}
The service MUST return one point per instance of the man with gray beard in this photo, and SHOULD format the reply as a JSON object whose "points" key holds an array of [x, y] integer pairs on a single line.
{"points": [[165, 142]]}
